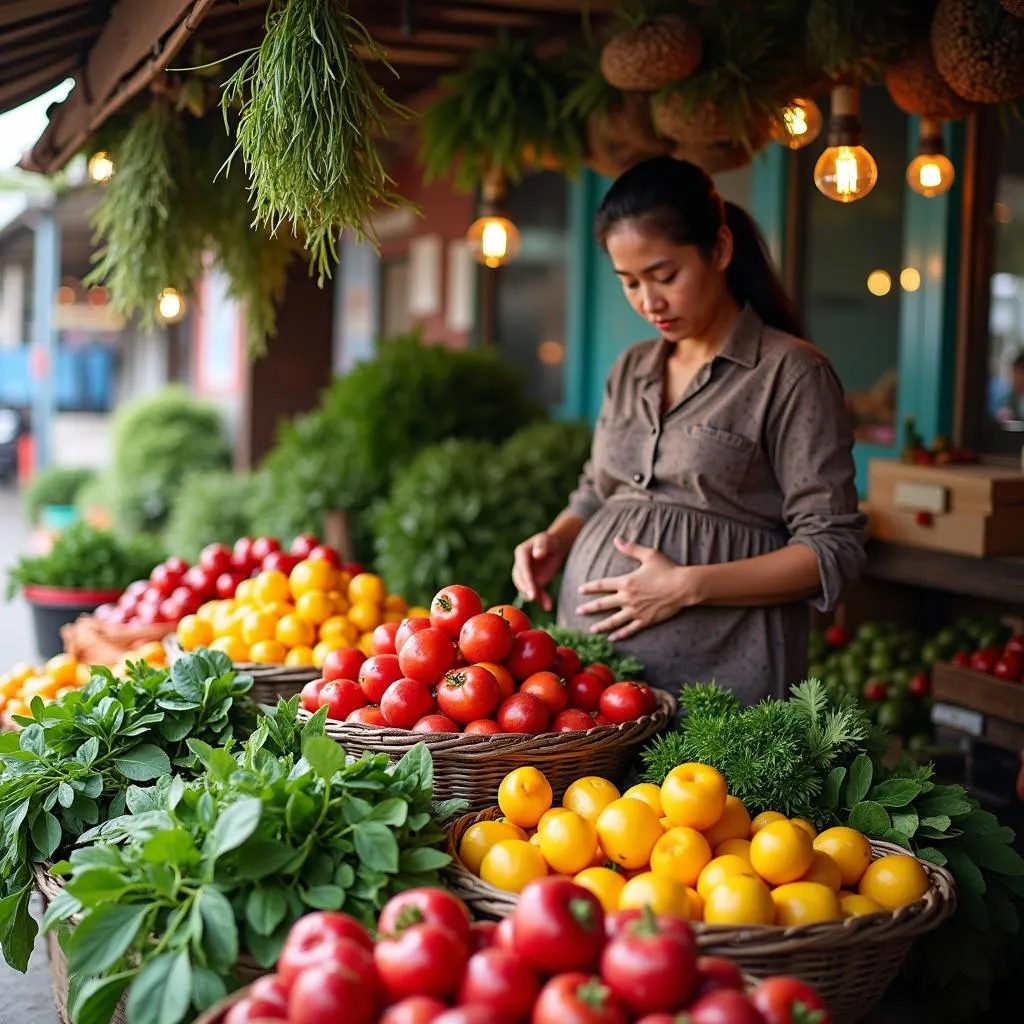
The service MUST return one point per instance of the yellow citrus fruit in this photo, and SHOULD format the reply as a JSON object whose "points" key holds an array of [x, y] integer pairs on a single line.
{"points": [[314, 606], [207, 611], [10, 685], [628, 830], [649, 793], [63, 668], [737, 847], [781, 852], [479, 838], [551, 812], [682, 853], [365, 644], [365, 616], [194, 632], [337, 627], [260, 625], [823, 869], [605, 884], [520, 832], [294, 631], [512, 864], [246, 590], [718, 870], [805, 903], [234, 647], [568, 841], [806, 826], [849, 849], [524, 795], [152, 653], [271, 586], [694, 795], [894, 881], [733, 824], [589, 796], [739, 899], [322, 649], [301, 656], [268, 652], [396, 604], [311, 575], [21, 671], [341, 602], [764, 818], [696, 904], [394, 616], [367, 588], [855, 905], [664, 895]]}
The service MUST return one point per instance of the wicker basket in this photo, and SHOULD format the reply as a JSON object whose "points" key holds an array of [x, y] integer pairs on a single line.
{"points": [[93, 642], [471, 767], [851, 963], [270, 682]]}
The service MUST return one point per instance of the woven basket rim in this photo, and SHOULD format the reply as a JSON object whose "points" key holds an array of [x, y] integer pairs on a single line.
{"points": [[762, 940]]}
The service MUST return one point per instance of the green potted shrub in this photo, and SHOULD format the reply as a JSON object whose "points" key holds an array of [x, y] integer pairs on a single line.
{"points": [[51, 495], [85, 568]]}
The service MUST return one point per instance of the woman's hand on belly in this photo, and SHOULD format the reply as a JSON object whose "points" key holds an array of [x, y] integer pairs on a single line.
{"points": [[655, 591]]}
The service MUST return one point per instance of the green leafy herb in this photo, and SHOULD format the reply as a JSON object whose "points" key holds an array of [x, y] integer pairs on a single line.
{"points": [[598, 649]]}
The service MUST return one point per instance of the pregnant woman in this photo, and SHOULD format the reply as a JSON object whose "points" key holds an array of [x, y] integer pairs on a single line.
{"points": [[719, 497]]}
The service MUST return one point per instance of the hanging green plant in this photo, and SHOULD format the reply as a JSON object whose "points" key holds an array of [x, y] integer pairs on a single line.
{"points": [[308, 112], [501, 112]]}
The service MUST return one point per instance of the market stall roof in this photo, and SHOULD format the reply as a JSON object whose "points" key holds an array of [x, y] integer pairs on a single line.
{"points": [[113, 49]]}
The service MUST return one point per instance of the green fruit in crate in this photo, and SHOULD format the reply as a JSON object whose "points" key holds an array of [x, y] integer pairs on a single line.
{"points": [[930, 653], [900, 678], [880, 664], [891, 714]]}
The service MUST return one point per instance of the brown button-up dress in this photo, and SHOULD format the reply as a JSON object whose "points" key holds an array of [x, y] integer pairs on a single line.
{"points": [[757, 454]]}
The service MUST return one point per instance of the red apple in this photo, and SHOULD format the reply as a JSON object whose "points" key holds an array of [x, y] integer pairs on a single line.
{"points": [[837, 636], [961, 659], [919, 685], [1015, 645]]}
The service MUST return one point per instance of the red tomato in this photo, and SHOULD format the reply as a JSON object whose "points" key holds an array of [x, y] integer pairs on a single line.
{"points": [[961, 659], [324, 553], [227, 584], [485, 637], [353, 568], [424, 905], [435, 723], [603, 672], [309, 697], [187, 600], [482, 935], [585, 691], [501, 981], [1015, 645], [984, 661], [267, 1000], [452, 607], [164, 579], [876, 689], [245, 1012], [622, 702], [136, 589], [650, 968], [577, 998], [618, 921], [558, 926], [169, 611], [313, 940], [405, 702], [278, 561], [242, 557], [469, 693], [551, 689], [506, 683], [567, 662], [407, 627], [725, 1006], [533, 650], [341, 697], [202, 582], [422, 960], [376, 674], [837, 636], [302, 545], [176, 564], [504, 935], [470, 1015], [427, 655], [383, 638], [523, 712], [482, 727], [215, 559], [414, 1010], [783, 1000], [517, 618], [572, 720], [333, 991], [371, 714], [715, 972], [919, 685], [1008, 667], [343, 663], [262, 546]]}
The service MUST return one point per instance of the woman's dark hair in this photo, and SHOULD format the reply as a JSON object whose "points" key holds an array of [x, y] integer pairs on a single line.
{"points": [[681, 201]]}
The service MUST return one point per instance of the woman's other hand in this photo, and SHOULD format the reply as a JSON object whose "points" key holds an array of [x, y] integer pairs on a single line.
{"points": [[653, 592], [537, 560]]}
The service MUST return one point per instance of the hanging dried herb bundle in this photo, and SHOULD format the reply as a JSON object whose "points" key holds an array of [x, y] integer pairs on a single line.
{"points": [[308, 113]]}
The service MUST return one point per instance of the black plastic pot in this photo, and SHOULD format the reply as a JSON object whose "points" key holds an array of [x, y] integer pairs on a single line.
{"points": [[53, 607]]}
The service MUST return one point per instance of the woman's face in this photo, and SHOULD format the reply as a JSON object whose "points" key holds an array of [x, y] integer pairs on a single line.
{"points": [[675, 287]]}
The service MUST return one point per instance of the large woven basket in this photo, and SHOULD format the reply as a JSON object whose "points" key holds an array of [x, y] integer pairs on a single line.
{"points": [[471, 767], [270, 682], [93, 642], [850, 963]]}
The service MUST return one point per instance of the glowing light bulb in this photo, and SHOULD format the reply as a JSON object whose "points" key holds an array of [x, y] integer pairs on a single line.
{"points": [[931, 174], [493, 241], [845, 173], [100, 168], [879, 282], [798, 124], [170, 306]]}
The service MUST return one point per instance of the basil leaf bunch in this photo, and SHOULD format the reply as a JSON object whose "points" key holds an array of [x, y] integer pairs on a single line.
{"points": [[170, 895], [72, 763]]}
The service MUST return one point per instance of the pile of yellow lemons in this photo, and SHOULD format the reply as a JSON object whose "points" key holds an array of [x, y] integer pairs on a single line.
{"points": [[687, 849], [297, 619]]}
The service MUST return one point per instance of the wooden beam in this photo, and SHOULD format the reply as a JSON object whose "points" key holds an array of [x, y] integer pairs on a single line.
{"points": [[51, 27], [30, 10], [44, 43], [27, 87]]}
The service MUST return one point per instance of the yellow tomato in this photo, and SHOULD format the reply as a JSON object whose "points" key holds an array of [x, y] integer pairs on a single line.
{"points": [[394, 616], [311, 575], [257, 626], [151, 653], [396, 604], [512, 864], [694, 795], [337, 627], [894, 881], [718, 870], [849, 849], [194, 632], [268, 652], [479, 838], [739, 899], [301, 656], [521, 833], [20, 672], [341, 602], [368, 588], [568, 841], [588, 796], [232, 646], [271, 586], [605, 884], [805, 903], [806, 826], [294, 631], [781, 852], [628, 830], [279, 609], [246, 591], [365, 616], [682, 853], [733, 824], [524, 795], [649, 793], [551, 812], [664, 895], [10, 685], [855, 905], [764, 818], [365, 644], [314, 606], [63, 668], [825, 870], [737, 847], [696, 904]]}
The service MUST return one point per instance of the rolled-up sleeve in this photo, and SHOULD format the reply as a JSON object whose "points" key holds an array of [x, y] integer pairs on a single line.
{"points": [[810, 443]]}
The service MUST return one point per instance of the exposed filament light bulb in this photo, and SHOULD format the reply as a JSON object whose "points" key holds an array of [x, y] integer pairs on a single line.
{"points": [[931, 172], [845, 171], [493, 239], [798, 123]]}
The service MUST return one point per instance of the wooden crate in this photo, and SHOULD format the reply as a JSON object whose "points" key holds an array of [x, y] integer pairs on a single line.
{"points": [[968, 510], [979, 692]]}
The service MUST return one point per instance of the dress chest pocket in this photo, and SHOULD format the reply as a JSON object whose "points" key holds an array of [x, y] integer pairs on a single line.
{"points": [[706, 457]]}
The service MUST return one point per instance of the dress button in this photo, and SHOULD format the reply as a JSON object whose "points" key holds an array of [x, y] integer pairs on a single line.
{"points": [[638, 478]]}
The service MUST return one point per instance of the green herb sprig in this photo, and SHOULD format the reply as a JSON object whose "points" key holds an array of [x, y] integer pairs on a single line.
{"points": [[594, 650], [72, 763]]}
